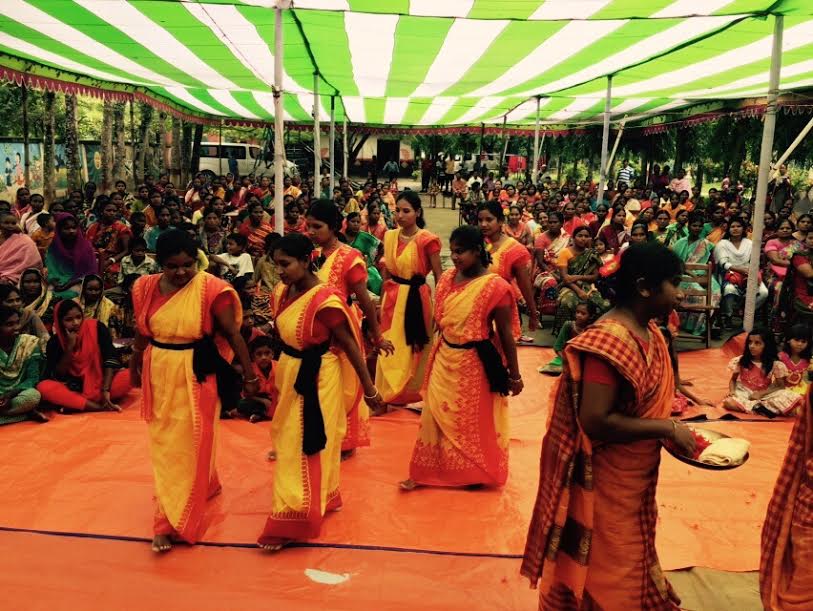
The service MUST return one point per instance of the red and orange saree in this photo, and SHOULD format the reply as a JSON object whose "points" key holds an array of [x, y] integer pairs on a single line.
{"points": [[463, 437], [592, 535], [786, 562], [182, 413], [504, 260]]}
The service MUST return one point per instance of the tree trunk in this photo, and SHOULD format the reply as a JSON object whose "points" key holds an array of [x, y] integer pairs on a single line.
{"points": [[186, 148], [175, 153], [26, 145], [120, 152], [140, 156], [680, 145], [72, 143], [107, 146], [164, 139], [194, 166], [737, 150], [590, 161], [699, 174], [48, 146], [559, 169]]}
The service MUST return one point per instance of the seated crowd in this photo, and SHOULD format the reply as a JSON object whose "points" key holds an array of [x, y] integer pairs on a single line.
{"points": [[67, 268]]}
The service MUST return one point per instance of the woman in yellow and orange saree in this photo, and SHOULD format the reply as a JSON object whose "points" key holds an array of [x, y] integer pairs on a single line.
{"points": [[316, 330], [187, 329], [410, 253], [463, 437], [512, 261], [786, 561], [343, 268], [592, 535]]}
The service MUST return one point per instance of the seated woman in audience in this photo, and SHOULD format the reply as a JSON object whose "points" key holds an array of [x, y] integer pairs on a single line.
{"points": [[578, 267], [695, 249], [677, 230], [163, 222], [715, 229], [571, 220], [212, 235], [20, 361], [70, 257], [111, 240], [517, 228], [661, 231], [758, 379], [82, 371], [804, 224], [98, 307], [595, 226], [796, 357], [254, 228], [38, 299], [18, 252], [370, 248], [374, 224], [615, 233], [30, 323], [796, 299], [778, 251], [733, 257]]}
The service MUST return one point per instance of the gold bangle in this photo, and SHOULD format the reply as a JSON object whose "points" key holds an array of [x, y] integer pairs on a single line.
{"points": [[251, 381], [373, 396]]}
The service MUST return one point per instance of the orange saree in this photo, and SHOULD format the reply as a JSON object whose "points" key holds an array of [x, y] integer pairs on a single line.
{"points": [[786, 561], [504, 261], [399, 376], [344, 267], [592, 535], [181, 413], [306, 476], [464, 434]]}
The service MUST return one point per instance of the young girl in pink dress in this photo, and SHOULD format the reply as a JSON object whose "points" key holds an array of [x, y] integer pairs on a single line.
{"points": [[796, 357], [758, 379]]}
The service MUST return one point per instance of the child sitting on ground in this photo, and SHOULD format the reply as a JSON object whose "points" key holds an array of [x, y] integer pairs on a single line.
{"points": [[235, 262], [585, 314], [44, 235], [137, 263], [262, 405], [758, 379], [796, 357]]}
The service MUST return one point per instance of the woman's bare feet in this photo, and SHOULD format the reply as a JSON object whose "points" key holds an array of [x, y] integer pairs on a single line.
{"points": [[272, 455], [38, 416], [380, 412], [348, 454], [161, 544], [408, 485]]}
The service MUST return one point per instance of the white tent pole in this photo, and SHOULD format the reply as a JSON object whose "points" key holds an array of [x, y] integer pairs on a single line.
{"points": [[332, 148], [805, 130], [765, 154], [220, 149], [345, 172], [317, 141], [535, 172], [615, 148], [504, 145], [605, 141], [279, 145], [541, 145]]}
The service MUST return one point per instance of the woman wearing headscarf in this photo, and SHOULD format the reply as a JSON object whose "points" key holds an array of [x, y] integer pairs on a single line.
{"points": [[69, 258]]}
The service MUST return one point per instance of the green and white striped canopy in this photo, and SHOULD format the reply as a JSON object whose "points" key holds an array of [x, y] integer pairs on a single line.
{"points": [[413, 62]]}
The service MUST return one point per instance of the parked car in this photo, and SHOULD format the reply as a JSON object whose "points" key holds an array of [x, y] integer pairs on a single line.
{"points": [[214, 157]]}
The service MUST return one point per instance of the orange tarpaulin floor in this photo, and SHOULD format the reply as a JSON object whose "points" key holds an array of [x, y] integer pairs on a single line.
{"points": [[77, 506]]}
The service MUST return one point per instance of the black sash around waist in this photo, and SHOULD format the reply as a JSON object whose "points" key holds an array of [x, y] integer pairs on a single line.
{"points": [[414, 325], [306, 384], [496, 372], [206, 360]]}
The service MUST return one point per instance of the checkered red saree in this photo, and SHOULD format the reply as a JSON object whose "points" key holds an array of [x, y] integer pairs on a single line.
{"points": [[786, 561], [592, 535]]}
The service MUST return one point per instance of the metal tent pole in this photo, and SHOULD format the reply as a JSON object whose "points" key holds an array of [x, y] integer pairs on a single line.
{"points": [[765, 154], [605, 141], [535, 172], [279, 144], [317, 141], [332, 148], [805, 130], [220, 149]]}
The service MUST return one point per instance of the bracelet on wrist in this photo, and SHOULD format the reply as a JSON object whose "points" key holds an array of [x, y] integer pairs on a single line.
{"points": [[251, 381], [517, 379], [372, 396]]}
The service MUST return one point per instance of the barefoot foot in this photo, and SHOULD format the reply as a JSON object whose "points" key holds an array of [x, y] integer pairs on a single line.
{"points": [[272, 455], [38, 416], [408, 485], [161, 544]]}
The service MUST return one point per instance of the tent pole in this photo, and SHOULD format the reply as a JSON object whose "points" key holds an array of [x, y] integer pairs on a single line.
{"points": [[317, 141], [26, 152], [605, 141], [765, 154], [535, 172], [332, 148], [504, 145], [345, 172], [615, 148], [279, 144], [220, 149], [805, 130], [541, 145]]}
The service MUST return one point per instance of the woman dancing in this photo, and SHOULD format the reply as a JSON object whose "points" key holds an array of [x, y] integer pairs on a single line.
{"points": [[187, 329], [317, 332]]}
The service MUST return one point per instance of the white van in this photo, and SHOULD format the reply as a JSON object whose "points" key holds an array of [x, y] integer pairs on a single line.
{"points": [[214, 157]]}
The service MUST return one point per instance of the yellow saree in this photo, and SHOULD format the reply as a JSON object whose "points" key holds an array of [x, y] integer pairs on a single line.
{"points": [[399, 376], [305, 486], [182, 414], [463, 437], [344, 267]]}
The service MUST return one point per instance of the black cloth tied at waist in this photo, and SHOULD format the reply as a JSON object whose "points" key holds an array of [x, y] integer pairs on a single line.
{"points": [[414, 325], [306, 384], [496, 372], [207, 360]]}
